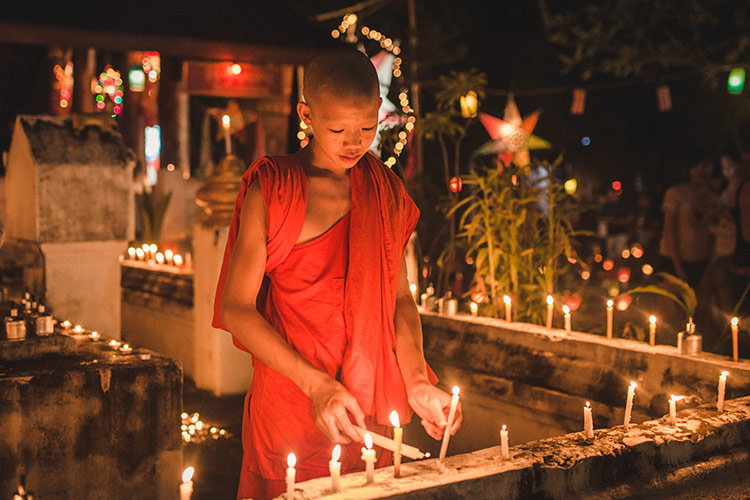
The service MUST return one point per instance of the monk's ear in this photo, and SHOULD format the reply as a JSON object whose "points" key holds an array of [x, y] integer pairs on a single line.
{"points": [[303, 111]]}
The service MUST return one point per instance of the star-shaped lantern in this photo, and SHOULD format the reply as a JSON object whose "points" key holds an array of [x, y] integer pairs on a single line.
{"points": [[512, 136]]}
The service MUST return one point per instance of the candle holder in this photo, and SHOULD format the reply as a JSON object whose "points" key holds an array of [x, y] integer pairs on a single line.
{"points": [[693, 344]]}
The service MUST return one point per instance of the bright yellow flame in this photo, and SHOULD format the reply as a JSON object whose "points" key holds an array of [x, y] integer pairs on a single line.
{"points": [[291, 460], [413, 287], [226, 121], [145, 247], [725, 373], [168, 254], [588, 405], [131, 251], [456, 390], [633, 385], [177, 260], [735, 321], [187, 474], [506, 299], [550, 300], [676, 398], [152, 248], [505, 427], [159, 258], [652, 319], [474, 307], [610, 303], [394, 419], [566, 309], [368, 441], [336, 453]]}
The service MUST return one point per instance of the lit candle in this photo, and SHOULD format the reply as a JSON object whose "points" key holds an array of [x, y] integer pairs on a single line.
{"points": [[186, 487], [506, 299], [413, 290], [735, 348], [152, 251], [291, 461], [722, 389], [126, 349], [652, 330], [146, 250], [131, 253], [423, 300], [78, 329], [474, 308], [177, 260], [95, 335], [550, 307], [629, 405], [588, 422], [226, 123], [168, 255], [140, 254], [159, 258], [451, 416], [504, 453], [390, 445], [368, 455], [610, 317], [335, 467], [65, 325], [398, 437], [566, 313]]}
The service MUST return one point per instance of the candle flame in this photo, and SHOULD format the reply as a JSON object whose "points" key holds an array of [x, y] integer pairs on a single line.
{"points": [[368, 441], [413, 287], [566, 309], [145, 247], [336, 453], [140, 253], [610, 303], [168, 254], [652, 319], [159, 258], [506, 299], [456, 390], [676, 398], [550, 300], [633, 385], [291, 460], [588, 405], [187, 474], [152, 247], [735, 321], [94, 333], [473, 306], [177, 259], [131, 251], [225, 120], [725, 373], [394, 419], [505, 427]]}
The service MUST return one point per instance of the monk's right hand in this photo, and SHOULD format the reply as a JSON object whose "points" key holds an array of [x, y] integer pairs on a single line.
{"points": [[332, 404]]}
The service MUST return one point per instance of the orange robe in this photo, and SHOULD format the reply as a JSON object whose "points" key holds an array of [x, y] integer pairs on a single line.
{"points": [[333, 300]]}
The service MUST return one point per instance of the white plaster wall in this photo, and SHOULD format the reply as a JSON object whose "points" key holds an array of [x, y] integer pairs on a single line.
{"points": [[219, 366], [82, 283]]}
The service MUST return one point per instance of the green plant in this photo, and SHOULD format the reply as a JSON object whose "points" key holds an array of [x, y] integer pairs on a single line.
{"points": [[151, 213], [672, 288]]}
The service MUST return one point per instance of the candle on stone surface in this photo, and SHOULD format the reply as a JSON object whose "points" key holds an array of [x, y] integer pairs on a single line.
{"points": [[177, 260], [159, 258], [78, 330], [131, 253], [474, 308], [652, 330], [95, 335], [722, 389], [291, 461], [368, 455], [423, 300], [226, 123], [550, 307], [610, 317], [673, 409], [566, 313], [335, 467], [398, 437], [140, 254], [451, 416], [146, 251], [735, 347], [507, 301], [504, 443], [152, 251], [413, 290], [65, 324], [629, 405], [186, 487], [126, 349], [588, 421], [168, 255]]}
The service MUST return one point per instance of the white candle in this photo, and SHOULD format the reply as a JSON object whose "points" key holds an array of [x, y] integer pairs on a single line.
{"points": [[550, 307], [335, 467], [140, 254], [507, 301], [390, 445], [722, 389], [451, 416], [146, 250], [588, 422], [159, 258], [398, 437], [735, 347], [673, 409], [504, 453], [413, 290], [95, 335], [610, 317], [131, 253], [168, 255], [566, 313], [474, 308], [291, 461], [186, 487], [423, 300], [652, 330], [226, 123], [177, 260], [368, 455], [629, 405]]}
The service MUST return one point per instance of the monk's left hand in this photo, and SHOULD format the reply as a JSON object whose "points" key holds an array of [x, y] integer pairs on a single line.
{"points": [[433, 405]]}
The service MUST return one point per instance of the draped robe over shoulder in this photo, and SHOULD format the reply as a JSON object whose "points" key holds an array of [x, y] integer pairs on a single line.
{"points": [[343, 323]]}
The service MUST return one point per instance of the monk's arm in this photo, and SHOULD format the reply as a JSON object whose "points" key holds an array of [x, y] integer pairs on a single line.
{"points": [[330, 399], [429, 402]]}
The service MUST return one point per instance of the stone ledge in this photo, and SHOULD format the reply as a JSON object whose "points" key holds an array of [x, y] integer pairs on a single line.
{"points": [[633, 463]]}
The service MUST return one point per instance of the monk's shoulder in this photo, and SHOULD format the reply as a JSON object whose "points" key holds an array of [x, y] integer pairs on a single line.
{"points": [[271, 169], [384, 172]]}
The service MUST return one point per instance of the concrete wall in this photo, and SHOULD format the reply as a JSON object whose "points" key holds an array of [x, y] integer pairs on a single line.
{"points": [[84, 422]]}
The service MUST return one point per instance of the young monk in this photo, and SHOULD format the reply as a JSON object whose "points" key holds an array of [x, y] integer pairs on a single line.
{"points": [[314, 285]]}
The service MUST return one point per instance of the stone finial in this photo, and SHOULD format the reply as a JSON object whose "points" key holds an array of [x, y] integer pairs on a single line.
{"points": [[218, 195]]}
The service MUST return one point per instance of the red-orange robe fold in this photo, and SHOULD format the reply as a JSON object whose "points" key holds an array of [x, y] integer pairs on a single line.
{"points": [[380, 222]]}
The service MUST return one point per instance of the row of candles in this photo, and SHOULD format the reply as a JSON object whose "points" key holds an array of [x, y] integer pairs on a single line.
{"points": [[398, 448], [67, 328], [151, 255]]}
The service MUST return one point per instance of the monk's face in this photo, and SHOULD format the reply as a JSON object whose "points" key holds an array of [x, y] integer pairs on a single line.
{"points": [[343, 128]]}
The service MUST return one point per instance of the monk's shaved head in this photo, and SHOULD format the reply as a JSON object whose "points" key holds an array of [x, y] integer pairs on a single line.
{"points": [[344, 73]]}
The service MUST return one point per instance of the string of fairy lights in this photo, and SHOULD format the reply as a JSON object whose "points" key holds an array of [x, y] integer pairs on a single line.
{"points": [[348, 31]]}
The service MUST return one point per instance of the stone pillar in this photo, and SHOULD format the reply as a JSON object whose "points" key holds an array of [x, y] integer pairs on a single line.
{"points": [[219, 365], [69, 192]]}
